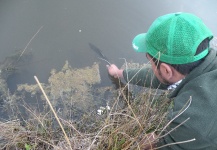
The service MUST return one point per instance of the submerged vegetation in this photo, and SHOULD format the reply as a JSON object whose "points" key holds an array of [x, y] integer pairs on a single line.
{"points": [[10, 66], [92, 117]]}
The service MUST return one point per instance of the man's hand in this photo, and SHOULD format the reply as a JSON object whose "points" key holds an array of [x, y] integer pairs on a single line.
{"points": [[114, 71]]}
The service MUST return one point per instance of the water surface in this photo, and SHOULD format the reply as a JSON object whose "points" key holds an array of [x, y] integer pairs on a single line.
{"points": [[69, 25]]}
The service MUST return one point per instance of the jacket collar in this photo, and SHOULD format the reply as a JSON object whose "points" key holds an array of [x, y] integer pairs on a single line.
{"points": [[207, 65]]}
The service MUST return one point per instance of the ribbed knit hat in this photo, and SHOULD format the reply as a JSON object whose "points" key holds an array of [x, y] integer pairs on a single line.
{"points": [[174, 38]]}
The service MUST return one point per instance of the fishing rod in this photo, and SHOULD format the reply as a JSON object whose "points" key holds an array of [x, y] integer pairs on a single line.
{"points": [[99, 53]]}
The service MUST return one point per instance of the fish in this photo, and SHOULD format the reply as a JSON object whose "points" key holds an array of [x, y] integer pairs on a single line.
{"points": [[99, 53]]}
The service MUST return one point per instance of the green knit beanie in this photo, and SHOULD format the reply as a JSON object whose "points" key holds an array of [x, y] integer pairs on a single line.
{"points": [[174, 38]]}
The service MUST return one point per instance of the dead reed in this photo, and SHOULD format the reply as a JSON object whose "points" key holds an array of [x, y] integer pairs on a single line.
{"points": [[125, 123], [124, 126]]}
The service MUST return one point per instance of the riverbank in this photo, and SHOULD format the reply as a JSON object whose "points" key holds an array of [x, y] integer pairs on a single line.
{"points": [[90, 117]]}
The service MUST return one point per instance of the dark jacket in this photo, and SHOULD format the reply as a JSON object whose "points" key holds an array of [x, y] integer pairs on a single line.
{"points": [[199, 87]]}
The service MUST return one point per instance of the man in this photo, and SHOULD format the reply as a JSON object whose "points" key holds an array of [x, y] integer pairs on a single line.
{"points": [[177, 46]]}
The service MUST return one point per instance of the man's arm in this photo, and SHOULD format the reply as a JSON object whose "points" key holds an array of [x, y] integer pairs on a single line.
{"points": [[142, 77]]}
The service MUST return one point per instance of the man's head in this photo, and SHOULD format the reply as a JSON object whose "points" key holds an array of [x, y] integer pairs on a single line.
{"points": [[174, 39]]}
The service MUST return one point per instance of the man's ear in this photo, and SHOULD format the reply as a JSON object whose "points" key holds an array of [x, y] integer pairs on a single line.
{"points": [[166, 71]]}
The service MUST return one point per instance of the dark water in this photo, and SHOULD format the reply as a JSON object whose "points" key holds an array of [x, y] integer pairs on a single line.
{"points": [[69, 25]]}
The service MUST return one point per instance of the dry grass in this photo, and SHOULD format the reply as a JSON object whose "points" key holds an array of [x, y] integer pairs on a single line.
{"points": [[125, 126], [132, 116]]}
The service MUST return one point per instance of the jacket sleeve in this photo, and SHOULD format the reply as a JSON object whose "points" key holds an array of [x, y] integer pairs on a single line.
{"points": [[143, 77]]}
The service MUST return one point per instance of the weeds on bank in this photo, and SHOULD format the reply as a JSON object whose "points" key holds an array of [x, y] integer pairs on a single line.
{"points": [[124, 126], [129, 127]]}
